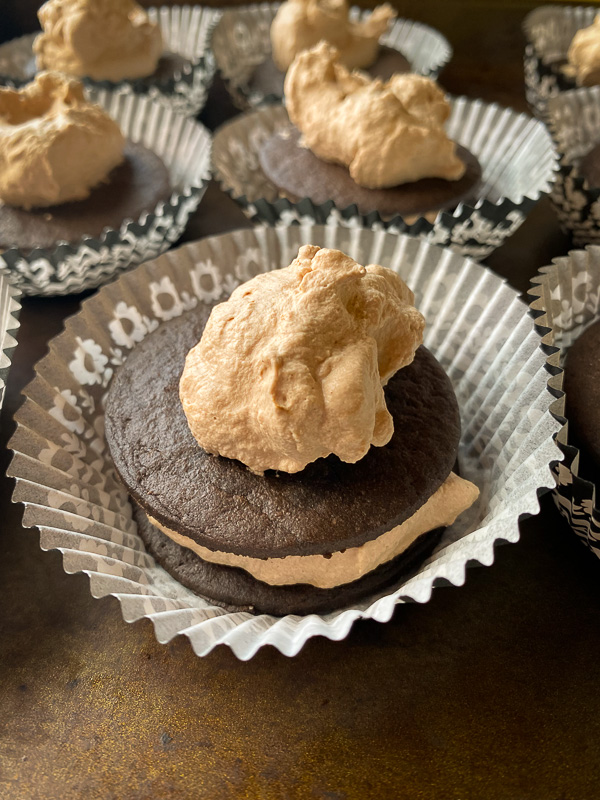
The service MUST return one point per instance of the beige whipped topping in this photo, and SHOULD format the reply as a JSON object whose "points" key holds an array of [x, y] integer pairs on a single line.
{"points": [[584, 55], [385, 133], [453, 497], [100, 39], [54, 145], [292, 367], [301, 24]]}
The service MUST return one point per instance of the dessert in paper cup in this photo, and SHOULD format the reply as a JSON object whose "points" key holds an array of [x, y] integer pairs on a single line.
{"points": [[574, 123], [162, 52], [561, 52], [461, 172], [478, 333], [9, 323], [242, 42], [104, 182], [566, 303]]}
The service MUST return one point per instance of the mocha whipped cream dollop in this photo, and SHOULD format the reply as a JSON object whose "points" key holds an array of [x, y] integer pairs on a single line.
{"points": [[301, 24], [385, 133], [54, 145], [100, 39], [584, 55], [292, 367]]}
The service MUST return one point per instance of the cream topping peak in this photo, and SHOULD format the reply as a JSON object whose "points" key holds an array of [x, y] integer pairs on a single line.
{"points": [[54, 145], [301, 24], [292, 367], [100, 39], [584, 55], [385, 133]]}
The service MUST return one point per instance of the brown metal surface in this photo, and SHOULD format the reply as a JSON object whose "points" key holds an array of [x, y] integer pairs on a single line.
{"points": [[488, 691]]}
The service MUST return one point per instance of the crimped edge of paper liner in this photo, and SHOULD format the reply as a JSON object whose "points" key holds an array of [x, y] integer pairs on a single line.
{"points": [[537, 61], [142, 118], [400, 29], [571, 454], [518, 355], [568, 172], [466, 110], [9, 324], [582, 17], [199, 72]]}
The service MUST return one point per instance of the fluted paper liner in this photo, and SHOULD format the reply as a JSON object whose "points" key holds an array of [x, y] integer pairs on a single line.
{"points": [[516, 153], [186, 31], [574, 122], [184, 146], [565, 301], [241, 41], [9, 323], [549, 31], [477, 327]]}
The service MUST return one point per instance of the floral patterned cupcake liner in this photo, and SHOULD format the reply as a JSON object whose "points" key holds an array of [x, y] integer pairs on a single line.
{"points": [[549, 31], [184, 146], [565, 300], [241, 40], [186, 32], [574, 122], [9, 323], [516, 153], [478, 329]]}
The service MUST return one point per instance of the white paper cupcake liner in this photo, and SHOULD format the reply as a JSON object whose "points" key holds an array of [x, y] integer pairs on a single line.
{"points": [[566, 300], [184, 146], [477, 327], [241, 40], [515, 151], [186, 32], [9, 323], [573, 119], [549, 31]]}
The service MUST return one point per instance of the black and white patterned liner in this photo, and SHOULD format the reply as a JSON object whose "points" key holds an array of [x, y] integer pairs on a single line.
{"points": [[186, 31], [549, 31], [184, 145], [9, 323], [516, 153], [477, 327], [573, 119], [566, 300], [241, 41]]}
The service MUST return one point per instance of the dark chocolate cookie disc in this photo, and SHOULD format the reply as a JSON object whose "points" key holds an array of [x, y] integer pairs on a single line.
{"points": [[136, 185], [267, 79], [221, 505], [581, 384], [298, 173], [236, 590]]}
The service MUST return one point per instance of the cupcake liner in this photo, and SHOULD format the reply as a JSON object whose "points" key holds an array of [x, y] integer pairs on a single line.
{"points": [[186, 32], [184, 146], [549, 31], [573, 119], [241, 40], [478, 329], [565, 300], [515, 151], [9, 323]]}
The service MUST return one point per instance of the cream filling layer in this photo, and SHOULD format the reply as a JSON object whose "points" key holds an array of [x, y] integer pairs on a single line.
{"points": [[453, 497]]}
